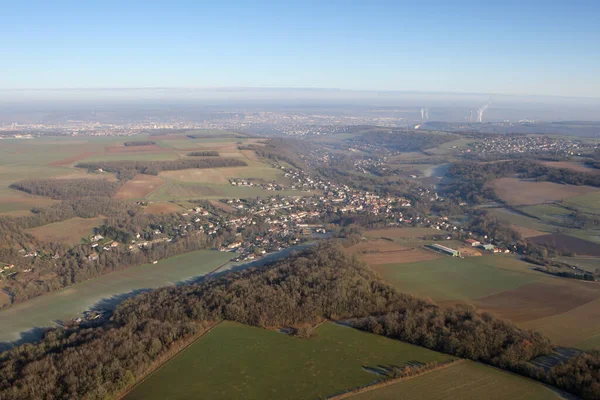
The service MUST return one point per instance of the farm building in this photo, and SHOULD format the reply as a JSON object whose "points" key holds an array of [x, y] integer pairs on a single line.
{"points": [[473, 242], [488, 247], [445, 250]]}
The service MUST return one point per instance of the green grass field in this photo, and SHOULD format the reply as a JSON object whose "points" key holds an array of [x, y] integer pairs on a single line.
{"points": [[190, 190], [451, 146], [521, 220], [133, 156], [588, 263], [593, 235], [71, 231], [235, 361], [589, 203], [465, 381], [68, 303], [547, 212], [450, 278]]}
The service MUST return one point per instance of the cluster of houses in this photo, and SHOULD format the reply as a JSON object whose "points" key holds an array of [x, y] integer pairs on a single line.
{"points": [[510, 144], [272, 186], [6, 269], [370, 165], [99, 242]]}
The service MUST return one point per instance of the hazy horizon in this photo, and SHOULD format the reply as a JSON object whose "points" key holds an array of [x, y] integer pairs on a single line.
{"points": [[182, 102]]}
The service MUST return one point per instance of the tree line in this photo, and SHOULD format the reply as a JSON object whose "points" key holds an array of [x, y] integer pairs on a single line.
{"points": [[303, 289], [207, 153], [470, 179], [129, 169], [67, 189], [139, 143]]}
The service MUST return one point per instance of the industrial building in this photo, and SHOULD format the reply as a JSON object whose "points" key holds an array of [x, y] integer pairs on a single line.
{"points": [[444, 249]]}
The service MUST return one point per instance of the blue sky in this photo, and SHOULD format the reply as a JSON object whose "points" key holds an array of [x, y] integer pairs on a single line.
{"points": [[514, 47]]}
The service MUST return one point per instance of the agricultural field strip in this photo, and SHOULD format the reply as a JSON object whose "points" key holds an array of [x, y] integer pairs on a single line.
{"points": [[466, 381]]}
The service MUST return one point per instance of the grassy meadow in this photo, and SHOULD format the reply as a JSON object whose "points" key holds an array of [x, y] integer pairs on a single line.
{"points": [[71, 231], [451, 278], [69, 302], [236, 361]]}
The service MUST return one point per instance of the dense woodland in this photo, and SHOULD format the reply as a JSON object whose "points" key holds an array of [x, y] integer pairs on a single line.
{"points": [[129, 169], [470, 179], [139, 143], [291, 151], [88, 207], [220, 135], [207, 153], [320, 283], [67, 189]]}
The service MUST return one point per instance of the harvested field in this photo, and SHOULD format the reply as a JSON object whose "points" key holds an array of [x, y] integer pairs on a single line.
{"points": [[175, 136], [539, 299], [399, 257], [527, 232], [151, 148], [374, 246], [402, 233], [235, 361], [569, 244], [572, 165], [71, 160], [250, 155], [81, 173], [162, 208], [221, 176], [70, 231], [134, 156], [186, 191], [578, 328], [516, 191], [139, 187], [381, 251], [23, 203], [466, 380]]}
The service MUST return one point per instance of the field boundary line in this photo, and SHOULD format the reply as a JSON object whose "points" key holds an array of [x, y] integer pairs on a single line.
{"points": [[165, 184], [161, 364], [216, 269], [393, 381]]}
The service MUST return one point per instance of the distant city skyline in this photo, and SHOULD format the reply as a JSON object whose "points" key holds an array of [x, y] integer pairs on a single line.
{"points": [[461, 47]]}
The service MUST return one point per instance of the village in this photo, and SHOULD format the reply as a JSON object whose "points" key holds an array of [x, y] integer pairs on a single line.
{"points": [[519, 144], [267, 225]]}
